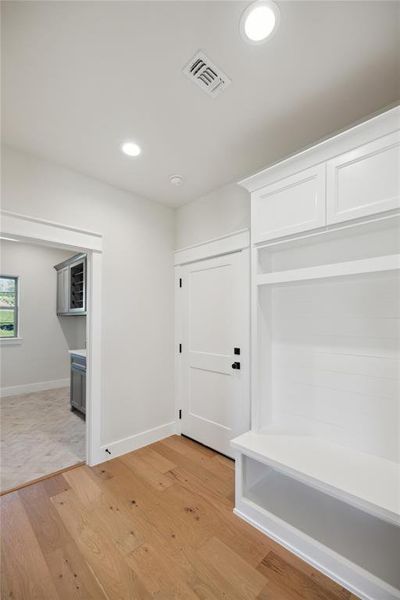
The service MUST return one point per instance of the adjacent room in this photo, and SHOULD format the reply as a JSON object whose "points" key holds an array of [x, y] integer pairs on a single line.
{"points": [[43, 351], [200, 300]]}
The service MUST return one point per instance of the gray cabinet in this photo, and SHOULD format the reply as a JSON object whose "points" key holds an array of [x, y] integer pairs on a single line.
{"points": [[62, 291], [78, 383], [71, 286]]}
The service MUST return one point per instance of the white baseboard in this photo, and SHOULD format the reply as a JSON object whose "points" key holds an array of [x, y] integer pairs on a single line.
{"points": [[136, 441], [29, 388]]}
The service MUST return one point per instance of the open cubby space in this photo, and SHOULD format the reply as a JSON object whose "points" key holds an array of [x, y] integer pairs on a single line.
{"points": [[356, 247], [327, 350], [365, 541]]}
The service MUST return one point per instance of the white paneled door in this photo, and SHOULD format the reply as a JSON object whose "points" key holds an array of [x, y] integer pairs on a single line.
{"points": [[214, 390]]}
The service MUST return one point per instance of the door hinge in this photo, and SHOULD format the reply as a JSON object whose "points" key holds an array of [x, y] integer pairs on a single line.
{"points": [[180, 413], [180, 348], [180, 281]]}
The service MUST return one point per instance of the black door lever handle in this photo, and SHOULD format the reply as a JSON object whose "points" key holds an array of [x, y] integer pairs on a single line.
{"points": [[236, 365]]}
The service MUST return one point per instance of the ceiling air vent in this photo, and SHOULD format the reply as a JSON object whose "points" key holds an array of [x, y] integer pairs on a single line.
{"points": [[206, 75]]}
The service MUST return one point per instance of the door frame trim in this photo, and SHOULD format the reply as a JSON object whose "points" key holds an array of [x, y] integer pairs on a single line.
{"points": [[225, 244], [239, 242], [29, 229]]}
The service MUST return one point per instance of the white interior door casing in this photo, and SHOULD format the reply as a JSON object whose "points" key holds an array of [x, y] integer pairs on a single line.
{"points": [[214, 315]]}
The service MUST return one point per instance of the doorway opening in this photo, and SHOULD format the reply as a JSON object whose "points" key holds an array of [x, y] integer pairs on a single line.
{"points": [[50, 336]]}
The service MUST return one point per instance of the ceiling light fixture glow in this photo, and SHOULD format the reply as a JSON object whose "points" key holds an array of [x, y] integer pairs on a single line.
{"points": [[258, 21], [131, 149], [8, 239]]}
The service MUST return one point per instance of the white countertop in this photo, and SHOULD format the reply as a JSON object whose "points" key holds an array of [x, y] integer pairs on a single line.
{"points": [[78, 352]]}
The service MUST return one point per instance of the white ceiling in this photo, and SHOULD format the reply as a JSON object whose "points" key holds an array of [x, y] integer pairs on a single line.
{"points": [[81, 77]]}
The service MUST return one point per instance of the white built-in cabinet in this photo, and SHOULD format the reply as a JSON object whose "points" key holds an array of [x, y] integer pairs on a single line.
{"points": [[319, 471], [335, 187], [364, 181], [291, 205]]}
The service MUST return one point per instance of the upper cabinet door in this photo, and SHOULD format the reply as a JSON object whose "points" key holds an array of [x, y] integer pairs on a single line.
{"points": [[291, 205], [62, 291], [364, 181]]}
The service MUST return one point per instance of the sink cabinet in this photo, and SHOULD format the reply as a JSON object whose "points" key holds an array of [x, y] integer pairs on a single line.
{"points": [[78, 383]]}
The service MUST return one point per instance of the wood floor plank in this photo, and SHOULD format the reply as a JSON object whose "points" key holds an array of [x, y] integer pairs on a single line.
{"points": [[155, 460], [152, 511], [292, 584], [239, 576], [46, 524], [156, 523], [84, 486], [218, 464], [186, 446], [115, 577], [167, 525], [227, 462], [198, 467], [205, 521], [55, 485], [200, 455], [134, 495], [297, 564], [159, 580], [71, 576], [174, 518], [169, 540], [7, 590], [27, 573], [106, 512], [194, 483], [147, 472]]}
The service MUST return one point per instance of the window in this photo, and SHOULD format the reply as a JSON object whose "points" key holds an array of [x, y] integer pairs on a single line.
{"points": [[8, 307]]}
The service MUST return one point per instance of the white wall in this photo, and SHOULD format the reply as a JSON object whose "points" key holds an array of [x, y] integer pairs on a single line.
{"points": [[137, 297], [43, 353], [222, 211]]}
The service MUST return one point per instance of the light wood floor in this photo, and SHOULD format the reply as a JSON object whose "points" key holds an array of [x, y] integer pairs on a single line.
{"points": [[155, 523]]}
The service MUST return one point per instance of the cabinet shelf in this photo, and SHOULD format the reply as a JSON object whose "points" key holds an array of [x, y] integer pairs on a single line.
{"points": [[376, 264], [71, 286], [365, 481]]}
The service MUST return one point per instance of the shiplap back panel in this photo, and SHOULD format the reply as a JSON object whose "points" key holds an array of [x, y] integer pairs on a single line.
{"points": [[336, 361]]}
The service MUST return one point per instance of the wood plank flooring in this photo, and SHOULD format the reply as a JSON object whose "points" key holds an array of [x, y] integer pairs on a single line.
{"points": [[155, 523]]}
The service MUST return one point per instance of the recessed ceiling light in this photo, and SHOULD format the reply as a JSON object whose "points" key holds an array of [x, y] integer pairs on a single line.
{"points": [[176, 179], [131, 149], [258, 21]]}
